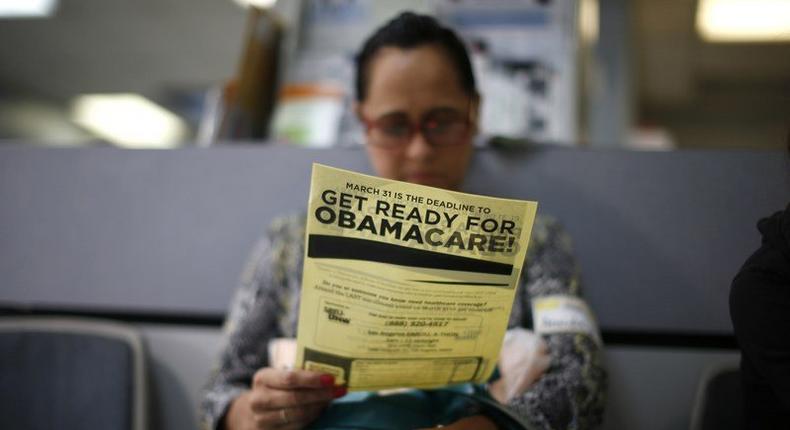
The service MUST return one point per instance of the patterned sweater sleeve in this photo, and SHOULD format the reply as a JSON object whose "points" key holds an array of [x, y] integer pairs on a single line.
{"points": [[572, 393], [250, 324]]}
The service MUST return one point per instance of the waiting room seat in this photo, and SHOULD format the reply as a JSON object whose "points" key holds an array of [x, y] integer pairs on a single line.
{"points": [[68, 373], [719, 401]]}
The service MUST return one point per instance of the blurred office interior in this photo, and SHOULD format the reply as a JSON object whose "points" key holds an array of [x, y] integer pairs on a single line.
{"points": [[637, 74]]}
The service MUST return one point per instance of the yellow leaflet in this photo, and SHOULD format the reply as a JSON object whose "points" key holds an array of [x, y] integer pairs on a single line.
{"points": [[406, 285]]}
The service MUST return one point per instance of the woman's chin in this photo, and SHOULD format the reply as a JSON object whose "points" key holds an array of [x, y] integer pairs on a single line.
{"points": [[429, 180]]}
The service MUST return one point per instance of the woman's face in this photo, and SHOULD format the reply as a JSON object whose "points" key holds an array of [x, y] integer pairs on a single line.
{"points": [[418, 89]]}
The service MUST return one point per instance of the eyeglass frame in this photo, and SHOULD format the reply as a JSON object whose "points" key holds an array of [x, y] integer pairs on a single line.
{"points": [[420, 127]]}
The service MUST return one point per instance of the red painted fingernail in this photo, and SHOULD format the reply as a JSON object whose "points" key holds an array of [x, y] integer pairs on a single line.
{"points": [[327, 380], [339, 392]]}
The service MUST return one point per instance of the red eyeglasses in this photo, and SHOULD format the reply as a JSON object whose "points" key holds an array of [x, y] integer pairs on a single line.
{"points": [[439, 127]]}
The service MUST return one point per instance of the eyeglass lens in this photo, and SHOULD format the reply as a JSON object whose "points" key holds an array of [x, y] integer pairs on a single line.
{"points": [[441, 127]]}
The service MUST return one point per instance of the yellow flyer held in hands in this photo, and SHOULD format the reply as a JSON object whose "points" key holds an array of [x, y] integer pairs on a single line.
{"points": [[406, 285]]}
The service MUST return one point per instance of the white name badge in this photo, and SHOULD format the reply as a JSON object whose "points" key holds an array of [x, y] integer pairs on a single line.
{"points": [[563, 314]]}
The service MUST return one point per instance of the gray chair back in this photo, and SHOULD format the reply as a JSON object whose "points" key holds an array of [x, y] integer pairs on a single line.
{"points": [[68, 373], [719, 401]]}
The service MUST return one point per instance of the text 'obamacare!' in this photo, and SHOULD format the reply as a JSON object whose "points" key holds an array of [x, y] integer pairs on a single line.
{"points": [[422, 225]]}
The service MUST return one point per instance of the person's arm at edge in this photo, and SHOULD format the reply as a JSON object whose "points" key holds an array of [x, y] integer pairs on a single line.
{"points": [[759, 300]]}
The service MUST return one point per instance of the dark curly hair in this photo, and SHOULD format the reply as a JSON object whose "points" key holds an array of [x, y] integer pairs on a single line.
{"points": [[410, 30]]}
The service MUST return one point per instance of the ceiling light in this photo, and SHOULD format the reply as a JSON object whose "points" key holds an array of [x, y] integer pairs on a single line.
{"points": [[744, 20], [588, 21], [260, 4], [27, 8], [128, 120]]}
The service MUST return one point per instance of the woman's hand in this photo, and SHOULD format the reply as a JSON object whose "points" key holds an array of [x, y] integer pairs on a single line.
{"points": [[282, 399], [523, 360]]}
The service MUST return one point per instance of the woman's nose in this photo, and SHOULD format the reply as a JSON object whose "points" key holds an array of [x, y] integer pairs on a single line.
{"points": [[419, 147]]}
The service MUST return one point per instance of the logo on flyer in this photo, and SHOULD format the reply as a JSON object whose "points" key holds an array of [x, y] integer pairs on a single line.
{"points": [[337, 315]]}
